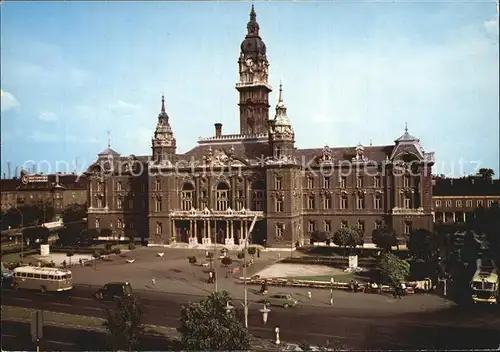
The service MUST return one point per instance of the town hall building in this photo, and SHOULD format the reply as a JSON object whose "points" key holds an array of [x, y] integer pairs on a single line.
{"points": [[214, 191]]}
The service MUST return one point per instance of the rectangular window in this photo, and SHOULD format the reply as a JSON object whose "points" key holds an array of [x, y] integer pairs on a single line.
{"points": [[326, 182], [468, 203], [222, 200], [343, 182], [187, 200], [311, 226], [157, 185], [279, 205], [97, 223], [344, 224], [278, 183], [279, 231], [438, 203], [159, 228], [407, 203], [258, 200], [99, 187], [377, 224], [361, 225], [377, 202], [238, 205], [448, 203], [407, 228], [376, 182], [119, 224], [343, 202], [328, 227], [327, 202], [406, 181], [310, 182], [118, 186], [131, 204], [310, 202], [119, 203], [479, 203], [490, 203], [360, 202], [158, 205], [359, 182], [459, 203], [99, 203]]}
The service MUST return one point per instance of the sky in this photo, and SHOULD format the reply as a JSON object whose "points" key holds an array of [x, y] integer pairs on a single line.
{"points": [[352, 72]]}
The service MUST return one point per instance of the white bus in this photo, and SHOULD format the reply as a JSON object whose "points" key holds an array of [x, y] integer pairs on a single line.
{"points": [[485, 282], [42, 279]]}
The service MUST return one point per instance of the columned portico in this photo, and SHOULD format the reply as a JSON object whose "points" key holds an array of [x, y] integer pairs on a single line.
{"points": [[207, 227]]}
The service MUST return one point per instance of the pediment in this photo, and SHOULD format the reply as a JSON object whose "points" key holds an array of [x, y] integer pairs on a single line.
{"points": [[407, 153]]}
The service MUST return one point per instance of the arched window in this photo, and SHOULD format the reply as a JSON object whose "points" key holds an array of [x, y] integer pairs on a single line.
{"points": [[377, 201], [343, 201], [187, 196], [223, 197]]}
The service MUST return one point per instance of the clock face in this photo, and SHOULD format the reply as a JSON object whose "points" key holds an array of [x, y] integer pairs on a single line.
{"points": [[249, 62]]}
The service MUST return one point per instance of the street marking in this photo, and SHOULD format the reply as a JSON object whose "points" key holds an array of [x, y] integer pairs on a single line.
{"points": [[83, 298], [59, 342], [23, 299], [93, 308], [61, 304]]}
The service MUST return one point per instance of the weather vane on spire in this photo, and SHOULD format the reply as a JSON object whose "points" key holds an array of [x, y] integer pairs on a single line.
{"points": [[109, 139], [406, 126]]}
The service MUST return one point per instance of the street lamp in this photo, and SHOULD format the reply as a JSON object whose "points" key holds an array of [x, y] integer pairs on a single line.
{"points": [[22, 226], [265, 313], [332, 280], [245, 304]]}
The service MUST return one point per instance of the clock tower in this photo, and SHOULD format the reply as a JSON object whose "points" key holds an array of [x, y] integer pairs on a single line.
{"points": [[252, 86]]}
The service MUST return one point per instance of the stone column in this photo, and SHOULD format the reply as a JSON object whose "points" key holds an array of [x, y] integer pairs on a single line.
{"points": [[195, 232], [232, 229], [226, 235], [453, 214], [190, 228], [433, 217], [174, 234], [444, 217]]}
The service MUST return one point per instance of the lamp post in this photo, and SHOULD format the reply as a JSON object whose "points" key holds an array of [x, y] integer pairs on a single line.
{"points": [[332, 280], [265, 313], [22, 226], [245, 302], [214, 257]]}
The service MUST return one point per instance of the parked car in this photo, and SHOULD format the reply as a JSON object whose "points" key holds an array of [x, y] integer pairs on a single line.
{"points": [[281, 299], [114, 290]]}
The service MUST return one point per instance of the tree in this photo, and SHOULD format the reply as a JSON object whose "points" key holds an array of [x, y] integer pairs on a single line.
{"points": [[384, 238], [125, 323], [32, 234], [347, 237], [207, 326], [319, 236], [486, 174], [73, 213], [226, 261], [423, 244], [252, 251], [394, 269]]}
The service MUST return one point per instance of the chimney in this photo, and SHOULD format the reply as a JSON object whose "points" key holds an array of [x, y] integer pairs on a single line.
{"points": [[218, 129]]}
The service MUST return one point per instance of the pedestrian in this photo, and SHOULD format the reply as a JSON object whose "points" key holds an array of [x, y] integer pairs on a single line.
{"points": [[210, 277], [258, 253], [153, 281]]}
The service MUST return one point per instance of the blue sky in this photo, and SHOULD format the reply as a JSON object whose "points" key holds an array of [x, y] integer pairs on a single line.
{"points": [[352, 72]]}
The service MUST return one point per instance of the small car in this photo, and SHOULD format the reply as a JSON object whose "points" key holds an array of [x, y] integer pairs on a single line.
{"points": [[114, 290], [281, 299]]}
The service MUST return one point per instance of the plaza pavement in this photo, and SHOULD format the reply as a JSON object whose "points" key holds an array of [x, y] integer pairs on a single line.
{"points": [[174, 274]]}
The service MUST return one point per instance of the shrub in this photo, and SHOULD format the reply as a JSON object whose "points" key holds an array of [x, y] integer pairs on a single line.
{"points": [[252, 250], [192, 259], [108, 246], [241, 255], [117, 250], [131, 246], [226, 261]]}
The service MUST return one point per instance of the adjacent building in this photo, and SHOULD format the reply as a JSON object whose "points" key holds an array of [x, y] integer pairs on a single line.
{"points": [[214, 191], [58, 190], [455, 199]]}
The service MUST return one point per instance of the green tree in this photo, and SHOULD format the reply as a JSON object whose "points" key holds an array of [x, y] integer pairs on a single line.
{"points": [[226, 261], [347, 237], [125, 323], [485, 173], [394, 269], [423, 244], [207, 326], [73, 213], [384, 238], [32, 234]]}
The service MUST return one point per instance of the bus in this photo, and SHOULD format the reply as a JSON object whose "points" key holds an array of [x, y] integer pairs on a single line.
{"points": [[485, 282], [42, 279]]}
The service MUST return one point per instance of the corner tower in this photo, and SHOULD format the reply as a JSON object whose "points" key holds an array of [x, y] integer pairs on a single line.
{"points": [[253, 86], [281, 134], [163, 142]]}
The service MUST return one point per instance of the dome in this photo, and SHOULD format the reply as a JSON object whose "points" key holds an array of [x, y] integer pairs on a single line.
{"points": [[253, 46]]}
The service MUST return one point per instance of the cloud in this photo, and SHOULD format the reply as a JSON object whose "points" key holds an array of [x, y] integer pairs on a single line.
{"points": [[491, 26], [8, 101], [123, 107], [42, 137], [48, 116]]}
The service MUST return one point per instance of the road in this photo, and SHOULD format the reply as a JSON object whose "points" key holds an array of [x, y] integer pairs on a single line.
{"points": [[471, 327]]}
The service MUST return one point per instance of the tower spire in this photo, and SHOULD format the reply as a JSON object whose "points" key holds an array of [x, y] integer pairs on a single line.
{"points": [[280, 97], [253, 26], [109, 139], [163, 103], [406, 127]]}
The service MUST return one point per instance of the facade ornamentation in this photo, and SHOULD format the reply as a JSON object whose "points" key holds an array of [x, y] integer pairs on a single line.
{"points": [[326, 156], [360, 154]]}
